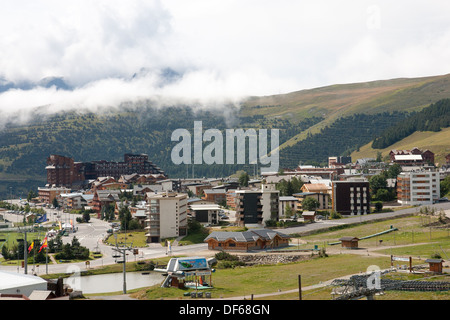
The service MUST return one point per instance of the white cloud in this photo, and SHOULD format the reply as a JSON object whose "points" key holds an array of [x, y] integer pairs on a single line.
{"points": [[225, 50]]}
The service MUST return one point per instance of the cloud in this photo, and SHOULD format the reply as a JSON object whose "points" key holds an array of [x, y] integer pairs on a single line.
{"points": [[217, 52]]}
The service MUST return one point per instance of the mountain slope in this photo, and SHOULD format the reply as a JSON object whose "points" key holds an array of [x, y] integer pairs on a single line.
{"points": [[332, 102], [314, 124], [438, 142]]}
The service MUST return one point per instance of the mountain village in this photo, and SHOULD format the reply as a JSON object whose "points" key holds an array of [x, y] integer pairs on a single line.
{"points": [[136, 194]]}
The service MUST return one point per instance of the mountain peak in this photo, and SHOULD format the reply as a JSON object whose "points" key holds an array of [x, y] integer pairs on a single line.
{"points": [[57, 82]]}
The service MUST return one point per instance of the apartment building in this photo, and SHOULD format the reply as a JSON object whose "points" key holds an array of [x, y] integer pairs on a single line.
{"points": [[47, 194], [315, 187], [166, 216], [207, 214], [63, 171], [104, 198], [285, 202], [351, 197], [340, 160], [60, 171], [215, 195], [256, 206], [322, 198], [133, 163], [71, 201], [231, 198], [418, 187]]}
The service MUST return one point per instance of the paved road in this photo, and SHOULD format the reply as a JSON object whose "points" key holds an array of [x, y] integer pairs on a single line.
{"points": [[91, 234], [364, 218]]}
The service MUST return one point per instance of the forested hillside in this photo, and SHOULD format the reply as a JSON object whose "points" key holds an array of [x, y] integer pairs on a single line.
{"points": [[87, 137], [433, 118], [341, 138]]}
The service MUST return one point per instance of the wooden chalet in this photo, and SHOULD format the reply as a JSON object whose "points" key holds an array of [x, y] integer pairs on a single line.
{"points": [[257, 239]]}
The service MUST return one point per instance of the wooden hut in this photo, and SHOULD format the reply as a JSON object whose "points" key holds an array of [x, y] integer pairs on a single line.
{"points": [[309, 215], [349, 242], [435, 265]]}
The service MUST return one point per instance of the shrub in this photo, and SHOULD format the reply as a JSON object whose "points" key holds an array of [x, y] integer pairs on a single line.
{"points": [[271, 223], [146, 266], [436, 255], [378, 206], [335, 215], [222, 255]]}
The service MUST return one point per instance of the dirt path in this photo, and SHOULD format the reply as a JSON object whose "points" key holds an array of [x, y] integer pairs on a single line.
{"points": [[372, 251]]}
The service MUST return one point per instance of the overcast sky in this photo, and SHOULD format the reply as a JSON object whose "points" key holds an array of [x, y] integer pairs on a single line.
{"points": [[222, 49]]}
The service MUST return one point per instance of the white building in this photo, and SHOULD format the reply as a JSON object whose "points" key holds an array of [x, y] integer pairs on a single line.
{"points": [[287, 201], [71, 200], [15, 283], [166, 215], [418, 187]]}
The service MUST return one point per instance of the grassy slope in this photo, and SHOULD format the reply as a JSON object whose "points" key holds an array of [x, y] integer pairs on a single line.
{"points": [[438, 142], [336, 101]]}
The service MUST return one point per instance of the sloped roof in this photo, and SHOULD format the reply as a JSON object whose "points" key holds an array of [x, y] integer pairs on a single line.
{"points": [[108, 195], [245, 236], [10, 280], [269, 234], [287, 198], [348, 239], [217, 191], [40, 295], [315, 186], [434, 260], [408, 157], [196, 207]]}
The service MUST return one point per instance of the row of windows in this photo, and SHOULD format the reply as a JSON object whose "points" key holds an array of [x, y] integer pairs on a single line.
{"points": [[358, 188]]}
